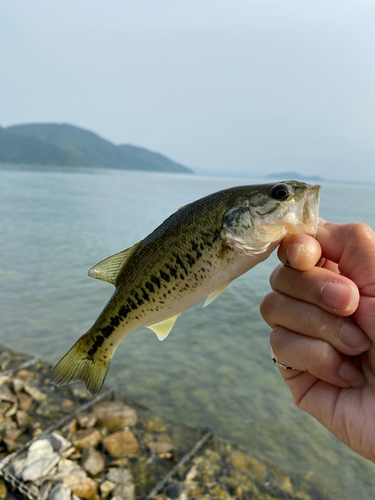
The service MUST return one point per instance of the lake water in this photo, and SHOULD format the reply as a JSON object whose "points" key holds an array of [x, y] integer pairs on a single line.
{"points": [[214, 369]]}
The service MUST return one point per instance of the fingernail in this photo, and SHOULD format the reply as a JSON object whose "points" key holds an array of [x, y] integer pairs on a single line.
{"points": [[339, 296], [353, 337], [349, 373], [293, 253]]}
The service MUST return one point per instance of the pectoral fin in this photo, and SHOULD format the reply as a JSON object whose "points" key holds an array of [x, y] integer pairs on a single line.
{"points": [[163, 328], [109, 269], [216, 293]]}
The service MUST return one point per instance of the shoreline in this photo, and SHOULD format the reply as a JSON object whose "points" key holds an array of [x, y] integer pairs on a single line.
{"points": [[59, 443]]}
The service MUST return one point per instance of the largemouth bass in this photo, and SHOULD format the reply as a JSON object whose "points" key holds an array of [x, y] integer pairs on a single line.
{"points": [[194, 254]]}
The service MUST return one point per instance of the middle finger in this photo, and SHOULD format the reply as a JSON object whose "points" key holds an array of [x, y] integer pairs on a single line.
{"points": [[319, 286], [307, 319]]}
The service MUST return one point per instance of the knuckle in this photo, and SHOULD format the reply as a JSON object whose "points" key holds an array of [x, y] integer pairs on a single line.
{"points": [[274, 275], [320, 358], [268, 304], [362, 231], [276, 339]]}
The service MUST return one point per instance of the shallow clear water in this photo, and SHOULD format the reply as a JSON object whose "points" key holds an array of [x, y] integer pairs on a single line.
{"points": [[214, 369]]}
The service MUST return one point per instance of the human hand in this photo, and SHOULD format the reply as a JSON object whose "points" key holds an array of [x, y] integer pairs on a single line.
{"points": [[322, 312]]}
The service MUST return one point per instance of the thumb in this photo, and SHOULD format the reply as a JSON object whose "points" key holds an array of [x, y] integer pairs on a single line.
{"points": [[352, 247]]}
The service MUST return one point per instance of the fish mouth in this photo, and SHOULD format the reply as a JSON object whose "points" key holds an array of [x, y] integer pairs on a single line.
{"points": [[307, 213], [310, 214]]}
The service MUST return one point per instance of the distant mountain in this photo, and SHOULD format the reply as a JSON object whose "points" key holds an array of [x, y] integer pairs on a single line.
{"points": [[293, 176], [81, 147], [141, 159], [14, 149]]}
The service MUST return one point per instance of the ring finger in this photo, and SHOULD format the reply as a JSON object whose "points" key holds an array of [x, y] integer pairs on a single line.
{"points": [[316, 357], [310, 320]]}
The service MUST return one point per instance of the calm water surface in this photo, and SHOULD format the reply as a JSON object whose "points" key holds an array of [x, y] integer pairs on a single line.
{"points": [[214, 369]]}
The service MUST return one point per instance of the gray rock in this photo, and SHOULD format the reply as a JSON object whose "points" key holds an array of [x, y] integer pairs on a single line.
{"points": [[38, 466], [68, 468], [119, 475], [7, 395], [40, 447], [45, 490], [125, 491], [60, 492], [17, 467], [59, 443]]}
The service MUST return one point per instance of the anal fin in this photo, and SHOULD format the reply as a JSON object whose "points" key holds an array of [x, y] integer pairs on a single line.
{"points": [[214, 295], [163, 328]]}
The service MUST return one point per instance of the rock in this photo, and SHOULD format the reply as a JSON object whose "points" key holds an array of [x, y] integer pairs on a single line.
{"points": [[67, 453], [24, 375], [60, 492], [45, 490], [68, 404], [119, 462], [125, 491], [5, 406], [59, 443], [156, 425], [3, 489], [247, 464], [119, 475], [161, 448], [7, 395], [92, 461], [35, 393], [38, 466], [86, 420], [34, 489], [4, 426], [114, 415], [23, 419], [106, 488], [13, 433], [218, 492], [121, 444], [40, 447], [25, 401], [12, 411], [86, 438], [68, 468], [11, 445], [192, 474], [83, 488]]}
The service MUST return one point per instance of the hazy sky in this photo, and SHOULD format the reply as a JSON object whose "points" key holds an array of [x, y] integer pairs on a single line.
{"points": [[242, 85]]}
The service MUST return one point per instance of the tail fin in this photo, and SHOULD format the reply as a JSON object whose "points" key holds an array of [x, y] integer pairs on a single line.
{"points": [[77, 365]]}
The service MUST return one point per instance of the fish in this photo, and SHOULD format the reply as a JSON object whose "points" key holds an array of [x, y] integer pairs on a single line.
{"points": [[193, 255]]}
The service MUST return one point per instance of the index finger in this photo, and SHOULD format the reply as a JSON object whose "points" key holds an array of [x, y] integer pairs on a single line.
{"points": [[299, 251]]}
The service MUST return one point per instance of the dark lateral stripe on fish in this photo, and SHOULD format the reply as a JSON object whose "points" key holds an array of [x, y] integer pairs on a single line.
{"points": [[164, 276], [150, 287], [155, 280], [180, 263]]}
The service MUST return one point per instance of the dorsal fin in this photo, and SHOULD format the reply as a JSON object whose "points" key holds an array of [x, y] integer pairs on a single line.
{"points": [[163, 328], [108, 269], [214, 295]]}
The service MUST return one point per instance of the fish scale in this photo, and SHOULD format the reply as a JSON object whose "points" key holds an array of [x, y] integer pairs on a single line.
{"points": [[193, 254]]}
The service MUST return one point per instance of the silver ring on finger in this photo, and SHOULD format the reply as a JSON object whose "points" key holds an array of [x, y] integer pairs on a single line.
{"points": [[278, 363]]}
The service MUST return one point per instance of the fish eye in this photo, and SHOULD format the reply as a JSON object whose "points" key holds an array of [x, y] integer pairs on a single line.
{"points": [[280, 192]]}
